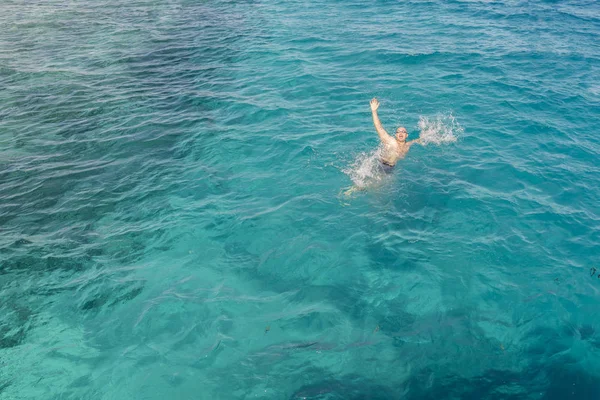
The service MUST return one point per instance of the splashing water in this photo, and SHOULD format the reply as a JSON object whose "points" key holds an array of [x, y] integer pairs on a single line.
{"points": [[366, 170], [441, 129]]}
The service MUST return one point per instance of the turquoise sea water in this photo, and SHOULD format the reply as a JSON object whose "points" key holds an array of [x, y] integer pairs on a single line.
{"points": [[172, 216]]}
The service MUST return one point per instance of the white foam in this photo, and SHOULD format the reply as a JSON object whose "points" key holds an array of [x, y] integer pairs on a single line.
{"points": [[366, 170], [440, 129]]}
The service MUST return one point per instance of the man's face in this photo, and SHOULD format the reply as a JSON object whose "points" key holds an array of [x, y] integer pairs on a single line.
{"points": [[401, 134]]}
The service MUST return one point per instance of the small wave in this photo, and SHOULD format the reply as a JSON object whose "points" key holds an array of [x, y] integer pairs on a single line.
{"points": [[441, 129]]}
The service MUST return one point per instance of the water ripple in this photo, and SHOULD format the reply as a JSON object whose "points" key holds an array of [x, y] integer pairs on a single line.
{"points": [[172, 209]]}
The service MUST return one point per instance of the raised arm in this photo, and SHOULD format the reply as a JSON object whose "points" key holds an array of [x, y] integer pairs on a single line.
{"points": [[383, 135]]}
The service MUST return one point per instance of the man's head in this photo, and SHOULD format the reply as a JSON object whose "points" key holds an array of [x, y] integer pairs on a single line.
{"points": [[401, 134]]}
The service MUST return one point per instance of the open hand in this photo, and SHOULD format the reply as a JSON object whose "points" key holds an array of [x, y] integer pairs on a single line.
{"points": [[374, 104]]}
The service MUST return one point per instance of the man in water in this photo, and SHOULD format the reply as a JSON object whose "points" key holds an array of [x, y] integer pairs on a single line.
{"points": [[394, 148]]}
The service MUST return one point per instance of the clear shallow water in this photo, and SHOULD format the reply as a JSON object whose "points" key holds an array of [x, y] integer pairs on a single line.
{"points": [[171, 217]]}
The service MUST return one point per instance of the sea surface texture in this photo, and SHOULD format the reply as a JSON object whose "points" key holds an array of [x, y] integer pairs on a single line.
{"points": [[192, 207]]}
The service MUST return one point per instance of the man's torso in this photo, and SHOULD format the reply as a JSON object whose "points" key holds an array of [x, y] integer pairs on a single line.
{"points": [[392, 152]]}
